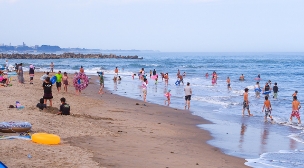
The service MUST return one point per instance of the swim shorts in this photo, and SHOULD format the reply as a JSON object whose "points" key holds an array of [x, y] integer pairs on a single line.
{"points": [[228, 85], [267, 112], [245, 105], [188, 97], [295, 113], [145, 91], [58, 84]]}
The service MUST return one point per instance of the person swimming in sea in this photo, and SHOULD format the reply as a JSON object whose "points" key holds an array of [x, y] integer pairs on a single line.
{"points": [[242, 77]]}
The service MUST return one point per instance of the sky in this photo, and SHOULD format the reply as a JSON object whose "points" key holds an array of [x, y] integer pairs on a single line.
{"points": [[164, 25]]}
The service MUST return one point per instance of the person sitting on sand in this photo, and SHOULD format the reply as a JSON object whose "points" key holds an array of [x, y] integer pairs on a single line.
{"points": [[41, 104], [64, 108], [242, 77]]}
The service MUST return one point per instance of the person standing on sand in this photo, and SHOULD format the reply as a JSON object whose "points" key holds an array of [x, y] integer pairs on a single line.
{"points": [[58, 80], [144, 89], [31, 73], [246, 102], [65, 81], [20, 74], [101, 80], [188, 93], [52, 67], [47, 88], [295, 110]]}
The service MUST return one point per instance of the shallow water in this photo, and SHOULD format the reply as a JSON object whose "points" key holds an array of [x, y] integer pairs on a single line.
{"points": [[263, 144]]}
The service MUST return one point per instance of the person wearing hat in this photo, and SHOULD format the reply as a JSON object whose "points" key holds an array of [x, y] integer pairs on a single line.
{"points": [[168, 95], [246, 102], [188, 93]]}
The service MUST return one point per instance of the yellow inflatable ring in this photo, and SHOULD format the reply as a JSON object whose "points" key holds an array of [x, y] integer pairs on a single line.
{"points": [[44, 138]]}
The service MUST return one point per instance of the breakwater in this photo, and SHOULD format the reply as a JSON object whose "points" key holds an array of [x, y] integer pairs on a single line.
{"points": [[64, 55]]}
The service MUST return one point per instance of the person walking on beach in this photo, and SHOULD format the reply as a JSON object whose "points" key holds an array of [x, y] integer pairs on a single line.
{"points": [[52, 67], [47, 88], [168, 95], [267, 107], [246, 102], [257, 89], [58, 81], [31, 73], [65, 81], [20, 74], [101, 81], [188, 93], [144, 89], [228, 83], [116, 71], [275, 90], [295, 110]]}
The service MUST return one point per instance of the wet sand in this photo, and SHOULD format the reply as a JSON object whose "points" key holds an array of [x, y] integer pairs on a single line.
{"points": [[107, 131]]}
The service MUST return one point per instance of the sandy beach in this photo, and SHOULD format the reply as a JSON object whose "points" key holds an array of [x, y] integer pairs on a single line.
{"points": [[106, 131]]}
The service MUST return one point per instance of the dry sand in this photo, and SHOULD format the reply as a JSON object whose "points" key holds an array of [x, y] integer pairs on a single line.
{"points": [[106, 131]]}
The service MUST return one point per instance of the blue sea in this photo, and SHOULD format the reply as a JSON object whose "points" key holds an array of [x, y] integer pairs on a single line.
{"points": [[262, 144]]}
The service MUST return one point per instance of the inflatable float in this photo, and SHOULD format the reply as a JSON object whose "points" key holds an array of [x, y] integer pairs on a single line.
{"points": [[257, 79], [12, 127], [177, 83], [2, 165], [267, 92], [80, 81], [53, 79], [257, 89], [47, 139]]}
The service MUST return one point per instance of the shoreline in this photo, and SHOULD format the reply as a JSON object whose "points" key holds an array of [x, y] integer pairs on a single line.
{"points": [[115, 132]]}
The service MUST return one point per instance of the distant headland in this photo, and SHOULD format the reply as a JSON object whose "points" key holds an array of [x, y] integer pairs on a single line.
{"points": [[55, 52], [56, 49], [63, 55]]}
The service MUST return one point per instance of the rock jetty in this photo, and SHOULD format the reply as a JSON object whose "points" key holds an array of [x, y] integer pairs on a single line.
{"points": [[64, 55]]}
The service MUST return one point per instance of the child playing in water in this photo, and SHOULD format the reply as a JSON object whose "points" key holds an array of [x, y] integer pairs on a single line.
{"points": [[168, 95], [213, 81], [267, 107], [65, 82]]}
